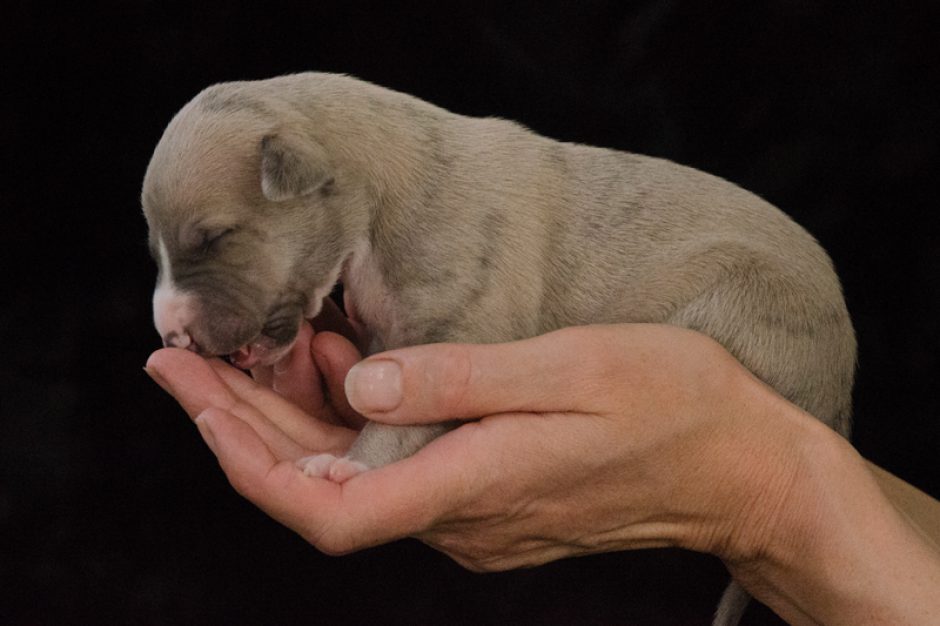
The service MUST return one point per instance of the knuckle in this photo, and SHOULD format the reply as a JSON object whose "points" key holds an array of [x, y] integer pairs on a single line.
{"points": [[331, 541], [330, 544], [451, 378], [472, 551], [245, 485]]}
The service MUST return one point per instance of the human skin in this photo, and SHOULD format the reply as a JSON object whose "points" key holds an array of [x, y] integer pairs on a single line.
{"points": [[592, 439]]}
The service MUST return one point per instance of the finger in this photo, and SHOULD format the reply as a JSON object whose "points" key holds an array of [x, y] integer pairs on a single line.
{"points": [[554, 372], [334, 518], [263, 375], [334, 356], [269, 375], [196, 384], [407, 498], [190, 380], [306, 430], [297, 379], [275, 485]]}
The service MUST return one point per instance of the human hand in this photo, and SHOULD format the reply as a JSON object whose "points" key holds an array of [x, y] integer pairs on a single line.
{"points": [[593, 439]]}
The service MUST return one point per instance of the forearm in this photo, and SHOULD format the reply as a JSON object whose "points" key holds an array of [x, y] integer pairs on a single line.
{"points": [[840, 552], [922, 511]]}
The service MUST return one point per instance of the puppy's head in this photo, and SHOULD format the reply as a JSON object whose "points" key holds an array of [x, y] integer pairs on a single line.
{"points": [[245, 227]]}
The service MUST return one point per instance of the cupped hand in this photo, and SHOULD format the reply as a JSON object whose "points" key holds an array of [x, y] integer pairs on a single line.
{"points": [[584, 440]]}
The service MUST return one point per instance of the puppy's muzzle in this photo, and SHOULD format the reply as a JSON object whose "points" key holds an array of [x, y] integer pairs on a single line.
{"points": [[174, 339]]}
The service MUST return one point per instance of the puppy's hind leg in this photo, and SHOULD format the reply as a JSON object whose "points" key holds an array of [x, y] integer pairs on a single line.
{"points": [[377, 445]]}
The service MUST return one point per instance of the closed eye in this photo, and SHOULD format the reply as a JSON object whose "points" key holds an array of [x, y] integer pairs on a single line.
{"points": [[212, 236]]}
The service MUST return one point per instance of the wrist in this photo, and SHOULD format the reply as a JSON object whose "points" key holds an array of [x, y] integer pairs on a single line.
{"points": [[830, 548]]}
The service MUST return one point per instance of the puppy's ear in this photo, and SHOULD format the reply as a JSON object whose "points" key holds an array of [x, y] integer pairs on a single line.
{"points": [[291, 168]]}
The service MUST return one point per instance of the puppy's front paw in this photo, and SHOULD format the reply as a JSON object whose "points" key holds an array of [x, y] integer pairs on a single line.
{"points": [[339, 470], [345, 468], [317, 465]]}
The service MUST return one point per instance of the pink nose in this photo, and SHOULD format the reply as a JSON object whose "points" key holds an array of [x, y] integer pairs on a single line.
{"points": [[175, 339]]}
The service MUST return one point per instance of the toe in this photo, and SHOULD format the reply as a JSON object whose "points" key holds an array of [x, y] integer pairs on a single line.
{"points": [[317, 465], [345, 468]]}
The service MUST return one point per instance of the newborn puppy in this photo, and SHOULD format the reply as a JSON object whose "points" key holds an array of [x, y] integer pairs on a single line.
{"points": [[260, 196]]}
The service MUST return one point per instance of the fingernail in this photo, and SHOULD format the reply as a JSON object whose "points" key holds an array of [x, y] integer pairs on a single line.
{"points": [[374, 386], [206, 431]]}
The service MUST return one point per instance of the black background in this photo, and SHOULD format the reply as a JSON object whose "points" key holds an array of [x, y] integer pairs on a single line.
{"points": [[111, 508]]}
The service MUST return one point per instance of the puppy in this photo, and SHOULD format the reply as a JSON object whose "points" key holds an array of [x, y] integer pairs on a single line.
{"points": [[260, 196]]}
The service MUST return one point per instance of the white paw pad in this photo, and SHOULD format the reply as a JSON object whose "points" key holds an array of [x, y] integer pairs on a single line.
{"points": [[339, 470]]}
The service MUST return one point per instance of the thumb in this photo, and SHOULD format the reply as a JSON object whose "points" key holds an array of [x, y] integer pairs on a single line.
{"points": [[437, 382]]}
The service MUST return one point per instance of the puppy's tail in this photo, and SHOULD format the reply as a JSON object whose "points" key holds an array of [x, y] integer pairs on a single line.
{"points": [[733, 603]]}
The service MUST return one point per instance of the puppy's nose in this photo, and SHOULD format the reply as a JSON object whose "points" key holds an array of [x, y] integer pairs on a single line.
{"points": [[175, 339]]}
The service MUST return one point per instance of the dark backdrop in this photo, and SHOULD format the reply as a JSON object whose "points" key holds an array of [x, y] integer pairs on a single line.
{"points": [[111, 508]]}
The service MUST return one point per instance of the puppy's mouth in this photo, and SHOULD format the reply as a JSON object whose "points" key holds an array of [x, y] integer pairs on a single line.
{"points": [[262, 351], [271, 345], [279, 334]]}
